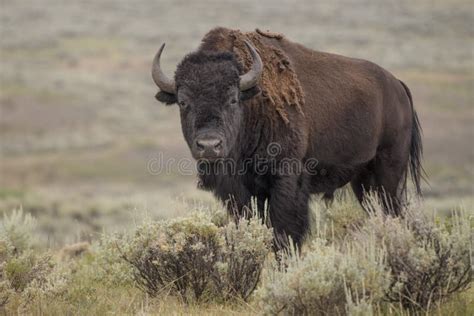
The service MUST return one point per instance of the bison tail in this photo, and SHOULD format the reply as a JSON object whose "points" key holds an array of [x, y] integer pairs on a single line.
{"points": [[416, 148]]}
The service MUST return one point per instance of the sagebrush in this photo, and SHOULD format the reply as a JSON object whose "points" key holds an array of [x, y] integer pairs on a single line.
{"points": [[428, 261], [197, 259], [373, 263], [353, 264]]}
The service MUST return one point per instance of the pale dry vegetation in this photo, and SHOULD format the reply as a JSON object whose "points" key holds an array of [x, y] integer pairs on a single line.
{"points": [[204, 262], [198, 260]]}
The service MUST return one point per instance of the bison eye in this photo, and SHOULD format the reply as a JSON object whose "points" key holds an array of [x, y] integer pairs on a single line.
{"points": [[182, 104], [233, 101]]}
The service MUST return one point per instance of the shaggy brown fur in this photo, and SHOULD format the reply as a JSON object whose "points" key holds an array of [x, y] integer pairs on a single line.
{"points": [[279, 83], [351, 118]]}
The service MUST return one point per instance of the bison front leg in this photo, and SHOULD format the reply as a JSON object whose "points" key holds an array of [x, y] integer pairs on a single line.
{"points": [[234, 195], [289, 211]]}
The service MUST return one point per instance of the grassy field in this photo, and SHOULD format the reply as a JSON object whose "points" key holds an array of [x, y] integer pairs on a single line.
{"points": [[79, 124]]}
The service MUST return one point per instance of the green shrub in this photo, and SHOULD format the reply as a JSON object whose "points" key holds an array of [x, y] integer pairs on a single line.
{"points": [[18, 265], [106, 261], [21, 269], [241, 259], [428, 262], [15, 231], [5, 289], [327, 280], [196, 259], [178, 254]]}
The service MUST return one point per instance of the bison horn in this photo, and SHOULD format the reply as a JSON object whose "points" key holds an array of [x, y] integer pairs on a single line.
{"points": [[162, 81], [250, 79]]}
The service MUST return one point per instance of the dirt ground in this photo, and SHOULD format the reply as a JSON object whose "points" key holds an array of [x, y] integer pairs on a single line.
{"points": [[79, 124]]}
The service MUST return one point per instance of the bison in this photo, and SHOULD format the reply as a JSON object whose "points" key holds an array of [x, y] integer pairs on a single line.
{"points": [[263, 103]]}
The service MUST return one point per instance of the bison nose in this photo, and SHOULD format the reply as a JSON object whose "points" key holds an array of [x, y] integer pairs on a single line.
{"points": [[209, 147]]}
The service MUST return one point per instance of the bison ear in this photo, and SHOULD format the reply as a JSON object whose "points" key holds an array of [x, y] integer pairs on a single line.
{"points": [[250, 93], [166, 98]]}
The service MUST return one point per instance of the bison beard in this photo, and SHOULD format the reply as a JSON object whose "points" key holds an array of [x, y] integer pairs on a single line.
{"points": [[351, 116]]}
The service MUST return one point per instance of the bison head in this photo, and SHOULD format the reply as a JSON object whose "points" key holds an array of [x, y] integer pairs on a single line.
{"points": [[209, 92]]}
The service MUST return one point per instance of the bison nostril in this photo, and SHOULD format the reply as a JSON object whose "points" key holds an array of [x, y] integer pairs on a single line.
{"points": [[218, 145], [209, 144], [199, 145]]}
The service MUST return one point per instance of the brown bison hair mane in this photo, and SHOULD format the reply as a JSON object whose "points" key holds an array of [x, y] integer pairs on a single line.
{"points": [[279, 83]]}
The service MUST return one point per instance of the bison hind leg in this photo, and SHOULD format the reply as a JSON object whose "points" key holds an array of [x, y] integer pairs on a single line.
{"points": [[385, 176], [364, 181]]}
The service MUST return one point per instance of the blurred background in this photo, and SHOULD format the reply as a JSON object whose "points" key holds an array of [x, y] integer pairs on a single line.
{"points": [[79, 124]]}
